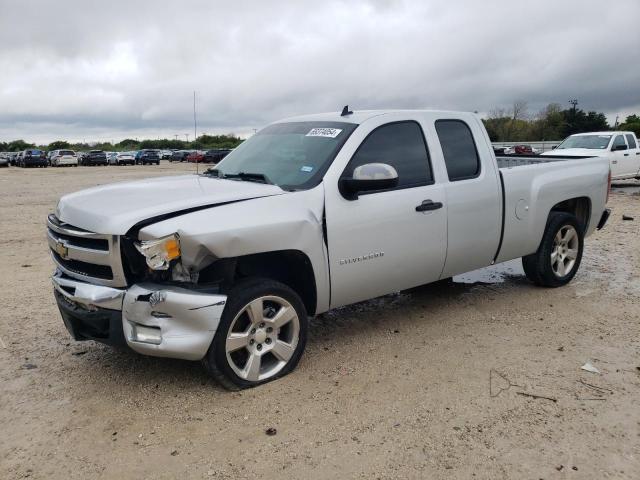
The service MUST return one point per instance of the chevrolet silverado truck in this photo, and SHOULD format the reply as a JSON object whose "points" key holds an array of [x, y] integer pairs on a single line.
{"points": [[621, 149], [310, 214]]}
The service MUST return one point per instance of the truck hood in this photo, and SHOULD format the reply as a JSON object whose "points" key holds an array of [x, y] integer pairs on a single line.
{"points": [[113, 209], [577, 152]]}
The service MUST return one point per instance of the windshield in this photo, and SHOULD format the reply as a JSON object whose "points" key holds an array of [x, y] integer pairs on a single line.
{"points": [[291, 155], [596, 142]]}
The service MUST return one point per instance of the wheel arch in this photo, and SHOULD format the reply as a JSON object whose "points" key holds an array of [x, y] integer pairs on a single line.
{"points": [[580, 207], [290, 267]]}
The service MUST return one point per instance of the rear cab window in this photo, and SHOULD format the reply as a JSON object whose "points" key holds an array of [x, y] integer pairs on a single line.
{"points": [[401, 145], [459, 149], [631, 140]]}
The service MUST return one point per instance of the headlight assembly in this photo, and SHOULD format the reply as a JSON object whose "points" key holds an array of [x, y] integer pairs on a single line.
{"points": [[160, 252]]}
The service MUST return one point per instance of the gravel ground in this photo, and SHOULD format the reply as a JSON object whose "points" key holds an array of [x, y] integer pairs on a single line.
{"points": [[422, 384]]}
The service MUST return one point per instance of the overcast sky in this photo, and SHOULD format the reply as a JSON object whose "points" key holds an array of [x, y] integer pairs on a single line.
{"points": [[89, 70]]}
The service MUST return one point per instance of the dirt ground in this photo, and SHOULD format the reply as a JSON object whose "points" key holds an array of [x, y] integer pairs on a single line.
{"points": [[424, 384]]}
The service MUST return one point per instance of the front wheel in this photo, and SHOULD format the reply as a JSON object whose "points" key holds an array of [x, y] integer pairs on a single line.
{"points": [[558, 257], [261, 335]]}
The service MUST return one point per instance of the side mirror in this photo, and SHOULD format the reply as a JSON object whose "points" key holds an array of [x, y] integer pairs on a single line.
{"points": [[554, 147], [615, 148], [367, 178]]}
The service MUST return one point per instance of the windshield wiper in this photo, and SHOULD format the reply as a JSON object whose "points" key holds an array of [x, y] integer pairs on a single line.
{"points": [[247, 176]]}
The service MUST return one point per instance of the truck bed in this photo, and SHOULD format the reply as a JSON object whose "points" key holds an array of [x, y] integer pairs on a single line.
{"points": [[510, 161]]}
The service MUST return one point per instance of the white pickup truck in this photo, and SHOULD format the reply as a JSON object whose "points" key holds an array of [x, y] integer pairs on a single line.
{"points": [[621, 149], [309, 214]]}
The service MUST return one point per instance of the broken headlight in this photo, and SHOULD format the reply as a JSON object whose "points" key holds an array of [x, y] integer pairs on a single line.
{"points": [[160, 252]]}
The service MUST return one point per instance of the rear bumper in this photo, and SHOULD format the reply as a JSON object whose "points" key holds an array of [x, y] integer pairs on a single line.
{"points": [[38, 162], [66, 161], [604, 218], [157, 320]]}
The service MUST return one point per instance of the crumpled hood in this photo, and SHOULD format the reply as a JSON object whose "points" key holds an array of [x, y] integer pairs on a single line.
{"points": [[577, 152], [115, 208]]}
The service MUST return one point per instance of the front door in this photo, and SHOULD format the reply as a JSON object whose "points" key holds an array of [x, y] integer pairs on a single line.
{"points": [[379, 243]]}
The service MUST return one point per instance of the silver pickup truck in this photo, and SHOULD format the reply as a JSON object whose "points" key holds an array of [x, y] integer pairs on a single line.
{"points": [[309, 214]]}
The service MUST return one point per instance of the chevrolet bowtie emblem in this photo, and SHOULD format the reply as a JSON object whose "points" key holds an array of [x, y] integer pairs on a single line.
{"points": [[62, 250]]}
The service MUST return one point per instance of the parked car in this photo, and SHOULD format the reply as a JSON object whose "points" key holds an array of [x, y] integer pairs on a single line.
{"points": [[179, 155], [196, 156], [166, 154], [310, 214], [4, 160], [518, 150], [125, 158], [215, 155], [148, 157], [61, 158], [499, 150], [32, 158], [621, 149], [13, 158], [111, 157], [94, 157]]}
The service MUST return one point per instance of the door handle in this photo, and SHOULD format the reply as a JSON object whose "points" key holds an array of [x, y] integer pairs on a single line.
{"points": [[614, 161], [428, 205], [626, 154]]}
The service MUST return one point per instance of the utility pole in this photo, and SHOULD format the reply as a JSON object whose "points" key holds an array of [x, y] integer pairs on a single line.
{"points": [[574, 103], [186, 135], [195, 125], [616, 124], [195, 130], [176, 135]]}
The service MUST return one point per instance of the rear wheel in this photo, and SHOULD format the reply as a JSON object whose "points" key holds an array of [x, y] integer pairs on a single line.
{"points": [[261, 335], [560, 252]]}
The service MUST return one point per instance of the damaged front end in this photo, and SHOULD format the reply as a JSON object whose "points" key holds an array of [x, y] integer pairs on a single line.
{"points": [[152, 319]]}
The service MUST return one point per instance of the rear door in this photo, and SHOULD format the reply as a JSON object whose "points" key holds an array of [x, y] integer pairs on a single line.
{"points": [[379, 243], [473, 193], [634, 152]]}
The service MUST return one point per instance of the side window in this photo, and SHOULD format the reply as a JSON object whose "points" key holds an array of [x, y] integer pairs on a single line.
{"points": [[401, 145], [619, 140], [631, 141], [459, 149]]}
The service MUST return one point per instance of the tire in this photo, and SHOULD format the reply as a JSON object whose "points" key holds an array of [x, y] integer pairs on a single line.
{"points": [[560, 252], [256, 340]]}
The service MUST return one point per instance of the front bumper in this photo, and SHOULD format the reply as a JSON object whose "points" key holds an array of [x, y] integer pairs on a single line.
{"points": [[157, 320]]}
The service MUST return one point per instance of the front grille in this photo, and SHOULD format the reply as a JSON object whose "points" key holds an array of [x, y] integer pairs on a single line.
{"points": [[83, 268], [85, 255], [91, 243]]}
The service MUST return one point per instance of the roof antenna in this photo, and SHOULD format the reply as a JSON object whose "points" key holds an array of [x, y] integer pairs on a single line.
{"points": [[346, 111]]}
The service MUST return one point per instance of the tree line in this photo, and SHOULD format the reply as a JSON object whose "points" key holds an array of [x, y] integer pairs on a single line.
{"points": [[513, 124], [203, 142], [516, 124]]}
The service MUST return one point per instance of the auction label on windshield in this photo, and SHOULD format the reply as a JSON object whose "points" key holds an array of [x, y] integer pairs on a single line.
{"points": [[324, 132]]}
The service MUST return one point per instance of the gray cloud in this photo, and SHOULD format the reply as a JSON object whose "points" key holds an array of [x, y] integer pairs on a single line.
{"points": [[106, 70]]}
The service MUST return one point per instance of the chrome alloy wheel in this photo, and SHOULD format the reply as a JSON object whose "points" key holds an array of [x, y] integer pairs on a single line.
{"points": [[262, 338], [565, 251]]}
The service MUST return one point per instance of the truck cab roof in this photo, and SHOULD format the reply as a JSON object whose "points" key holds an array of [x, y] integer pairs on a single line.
{"points": [[359, 116]]}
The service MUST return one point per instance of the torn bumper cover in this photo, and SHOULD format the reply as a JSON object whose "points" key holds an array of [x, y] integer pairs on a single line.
{"points": [[158, 320]]}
